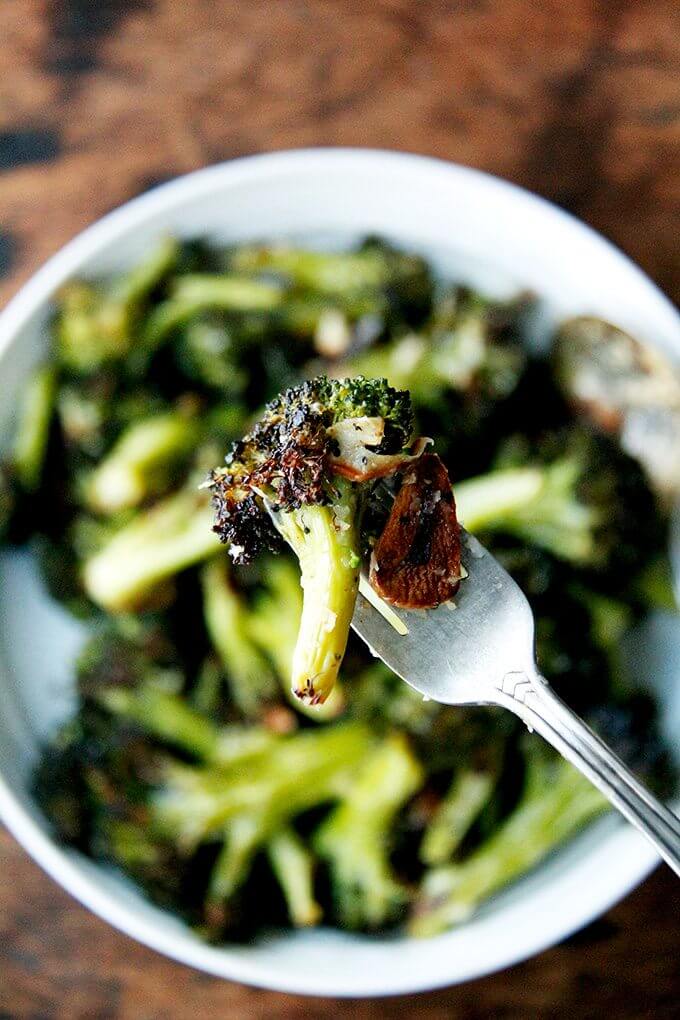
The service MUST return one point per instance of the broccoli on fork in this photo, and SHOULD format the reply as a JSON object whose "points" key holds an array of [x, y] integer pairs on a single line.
{"points": [[302, 475]]}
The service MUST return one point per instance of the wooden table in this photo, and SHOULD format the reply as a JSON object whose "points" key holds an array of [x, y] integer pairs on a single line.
{"points": [[576, 99]]}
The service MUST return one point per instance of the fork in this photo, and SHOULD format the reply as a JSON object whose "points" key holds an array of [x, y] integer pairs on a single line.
{"points": [[482, 653]]}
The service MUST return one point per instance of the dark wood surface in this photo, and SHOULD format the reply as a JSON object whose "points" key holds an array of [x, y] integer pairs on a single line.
{"points": [[100, 99]]}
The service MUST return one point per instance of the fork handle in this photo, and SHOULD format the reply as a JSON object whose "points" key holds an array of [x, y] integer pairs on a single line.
{"points": [[538, 706]]}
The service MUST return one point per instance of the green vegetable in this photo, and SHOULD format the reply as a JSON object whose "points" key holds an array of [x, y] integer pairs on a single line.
{"points": [[281, 481], [96, 326], [557, 801], [173, 534], [355, 838], [226, 616], [141, 462], [33, 426], [194, 294], [292, 863], [274, 623], [461, 347], [298, 772], [460, 807], [587, 503], [184, 766]]}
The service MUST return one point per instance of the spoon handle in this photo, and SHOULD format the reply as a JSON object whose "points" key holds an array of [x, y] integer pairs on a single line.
{"points": [[539, 707]]}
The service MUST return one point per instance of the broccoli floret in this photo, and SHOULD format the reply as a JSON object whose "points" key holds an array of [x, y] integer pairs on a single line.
{"points": [[249, 675], [579, 497], [468, 343], [355, 838], [210, 350], [300, 475], [141, 462], [156, 544], [367, 288], [295, 773], [96, 326], [250, 808], [192, 295], [556, 801]]}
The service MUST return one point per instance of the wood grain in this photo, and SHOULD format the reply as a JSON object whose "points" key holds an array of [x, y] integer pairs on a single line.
{"points": [[576, 99]]}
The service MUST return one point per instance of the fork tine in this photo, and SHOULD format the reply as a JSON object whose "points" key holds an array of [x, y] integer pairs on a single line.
{"points": [[457, 653]]}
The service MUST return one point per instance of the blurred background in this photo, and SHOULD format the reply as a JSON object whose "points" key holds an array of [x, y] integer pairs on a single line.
{"points": [[100, 100]]}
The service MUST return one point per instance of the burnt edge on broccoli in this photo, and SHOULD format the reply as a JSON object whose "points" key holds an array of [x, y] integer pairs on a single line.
{"points": [[288, 450]]}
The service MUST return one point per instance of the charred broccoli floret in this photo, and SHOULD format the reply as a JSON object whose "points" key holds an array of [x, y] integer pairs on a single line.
{"points": [[300, 475]]}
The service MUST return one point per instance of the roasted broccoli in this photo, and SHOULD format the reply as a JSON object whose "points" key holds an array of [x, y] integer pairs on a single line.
{"points": [[175, 533], [247, 807], [355, 838], [300, 475], [249, 675], [467, 343], [33, 427], [141, 462], [578, 496], [96, 326], [185, 767], [273, 624], [556, 801]]}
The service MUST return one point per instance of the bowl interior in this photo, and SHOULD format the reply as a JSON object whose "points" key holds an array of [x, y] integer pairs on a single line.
{"points": [[478, 230]]}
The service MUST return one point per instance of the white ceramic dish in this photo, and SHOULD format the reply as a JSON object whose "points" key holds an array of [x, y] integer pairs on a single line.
{"points": [[479, 229]]}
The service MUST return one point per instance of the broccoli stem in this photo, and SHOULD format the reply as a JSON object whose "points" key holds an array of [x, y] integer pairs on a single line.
{"points": [[295, 774], [328, 272], [536, 504], [293, 867], [467, 796], [132, 288], [168, 717], [557, 801], [139, 464], [249, 675], [174, 534], [165, 716], [354, 839], [243, 836], [326, 543], [205, 694], [273, 625], [33, 427], [201, 292]]}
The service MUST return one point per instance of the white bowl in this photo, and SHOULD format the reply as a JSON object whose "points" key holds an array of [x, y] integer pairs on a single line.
{"points": [[478, 229]]}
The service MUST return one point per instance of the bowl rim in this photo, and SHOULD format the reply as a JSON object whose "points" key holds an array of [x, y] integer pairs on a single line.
{"points": [[634, 859]]}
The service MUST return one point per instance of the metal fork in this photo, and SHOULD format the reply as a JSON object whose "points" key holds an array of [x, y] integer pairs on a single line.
{"points": [[482, 653]]}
